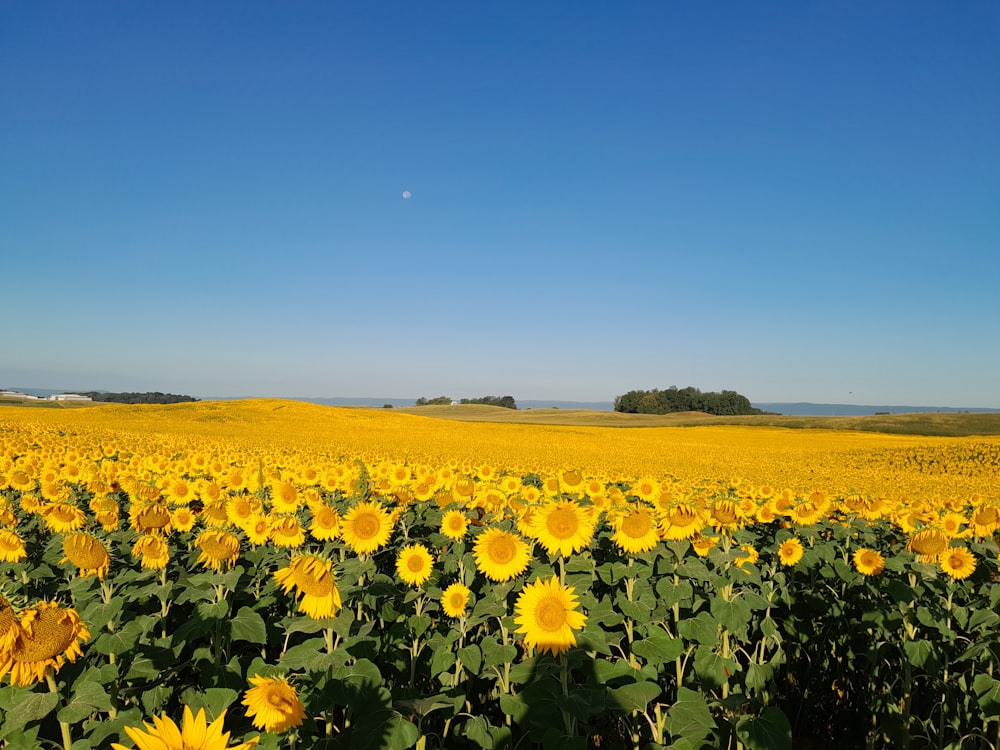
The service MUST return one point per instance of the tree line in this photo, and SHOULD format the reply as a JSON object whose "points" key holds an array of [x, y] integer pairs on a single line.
{"points": [[507, 402], [674, 399], [150, 397]]}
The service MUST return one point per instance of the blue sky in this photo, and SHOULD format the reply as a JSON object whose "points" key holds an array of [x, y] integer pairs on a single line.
{"points": [[797, 201]]}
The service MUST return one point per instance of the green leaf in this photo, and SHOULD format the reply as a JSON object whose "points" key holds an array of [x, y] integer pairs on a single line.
{"points": [[689, 718], [471, 657], [248, 626], [25, 707], [701, 628], [88, 697], [121, 641], [920, 654], [442, 660], [658, 647], [734, 615], [713, 670], [633, 697], [769, 731], [987, 691], [303, 655]]}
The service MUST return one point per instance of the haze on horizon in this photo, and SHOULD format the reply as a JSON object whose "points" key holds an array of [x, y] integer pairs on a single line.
{"points": [[798, 203]]}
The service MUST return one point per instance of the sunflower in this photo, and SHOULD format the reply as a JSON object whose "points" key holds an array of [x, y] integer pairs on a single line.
{"points": [[702, 545], [312, 578], [288, 532], [454, 524], [414, 564], [749, 557], [682, 521], [152, 551], [218, 548], [241, 508], [285, 497], [869, 562], [500, 555], [366, 527], [985, 520], [87, 553], [325, 523], [257, 529], [636, 531], [563, 527], [958, 562], [47, 636], [151, 518], [928, 544], [10, 628], [273, 704], [11, 546], [62, 517], [455, 600], [183, 519], [546, 613], [195, 733], [790, 551]]}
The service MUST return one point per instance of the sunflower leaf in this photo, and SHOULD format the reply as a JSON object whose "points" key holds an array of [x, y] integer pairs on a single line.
{"points": [[769, 731], [248, 626]]}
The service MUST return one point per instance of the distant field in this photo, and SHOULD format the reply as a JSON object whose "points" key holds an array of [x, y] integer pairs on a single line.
{"points": [[923, 423]]}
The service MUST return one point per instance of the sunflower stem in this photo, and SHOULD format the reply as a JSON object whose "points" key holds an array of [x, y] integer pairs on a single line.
{"points": [[67, 737]]}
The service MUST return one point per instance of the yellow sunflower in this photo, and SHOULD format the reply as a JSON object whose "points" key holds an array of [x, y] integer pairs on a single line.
{"points": [[682, 521], [87, 553], [285, 497], [10, 628], [183, 519], [636, 531], [500, 555], [546, 613], [958, 562], [928, 544], [47, 636], [366, 527], [414, 564], [454, 524], [273, 704], [152, 551], [325, 523], [195, 733], [11, 546], [258, 529], [286, 531], [63, 517], [455, 600], [790, 552], [219, 549], [749, 557], [312, 578], [985, 520], [562, 527], [869, 562]]}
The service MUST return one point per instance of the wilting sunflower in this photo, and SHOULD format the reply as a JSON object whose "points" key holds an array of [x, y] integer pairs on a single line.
{"points": [[702, 544], [790, 552], [273, 704], [563, 527], [47, 636], [151, 518], [219, 548], [312, 578], [286, 531], [11, 546], [985, 520], [547, 615], [195, 733], [366, 527], [958, 562], [455, 600], [869, 562], [87, 553], [10, 628], [928, 544], [454, 524], [152, 551], [63, 517], [682, 521], [636, 531], [500, 555], [414, 564]]}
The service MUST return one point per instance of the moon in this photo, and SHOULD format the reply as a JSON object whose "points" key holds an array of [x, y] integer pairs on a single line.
{"points": [[406, 195]]}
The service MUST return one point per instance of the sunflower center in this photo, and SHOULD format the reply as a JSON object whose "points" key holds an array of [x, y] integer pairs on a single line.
{"points": [[562, 523], [986, 517], [314, 585], [636, 524], [153, 518], [681, 517], [85, 552], [10, 543], [220, 546], [279, 702], [502, 550], [415, 563], [550, 614], [366, 526], [931, 543], [52, 631]]}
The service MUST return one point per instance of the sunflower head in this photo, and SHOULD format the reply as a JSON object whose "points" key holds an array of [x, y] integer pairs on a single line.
{"points": [[500, 555], [547, 615], [790, 552], [455, 600], [957, 562], [194, 733], [87, 553], [414, 564], [47, 636], [868, 562], [273, 704]]}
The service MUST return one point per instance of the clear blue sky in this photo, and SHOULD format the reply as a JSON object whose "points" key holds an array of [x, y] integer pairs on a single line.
{"points": [[794, 200]]}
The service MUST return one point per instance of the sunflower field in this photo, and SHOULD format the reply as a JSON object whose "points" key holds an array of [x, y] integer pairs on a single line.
{"points": [[271, 574]]}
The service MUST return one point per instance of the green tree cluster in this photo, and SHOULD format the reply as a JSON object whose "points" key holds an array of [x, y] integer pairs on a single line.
{"points": [[507, 402], [433, 401], [154, 397], [674, 399]]}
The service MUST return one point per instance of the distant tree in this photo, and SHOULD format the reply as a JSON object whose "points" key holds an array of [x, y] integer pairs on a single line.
{"points": [[153, 397], [386, 406], [674, 399], [437, 400], [507, 402]]}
